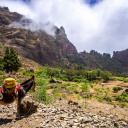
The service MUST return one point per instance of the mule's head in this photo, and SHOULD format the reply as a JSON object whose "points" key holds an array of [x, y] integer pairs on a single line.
{"points": [[33, 88]]}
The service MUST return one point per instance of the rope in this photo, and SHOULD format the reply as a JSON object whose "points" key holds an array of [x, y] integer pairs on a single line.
{"points": [[17, 104], [17, 96]]}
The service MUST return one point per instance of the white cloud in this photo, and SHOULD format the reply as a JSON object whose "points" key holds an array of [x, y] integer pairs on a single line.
{"points": [[103, 27]]}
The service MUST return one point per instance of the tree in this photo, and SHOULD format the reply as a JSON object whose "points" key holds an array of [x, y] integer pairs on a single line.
{"points": [[11, 60], [92, 75], [124, 75], [98, 72], [106, 76], [93, 52], [1, 63], [106, 55], [7, 62], [16, 64]]}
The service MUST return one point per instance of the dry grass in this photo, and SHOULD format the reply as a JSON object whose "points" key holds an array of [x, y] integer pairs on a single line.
{"points": [[94, 106]]}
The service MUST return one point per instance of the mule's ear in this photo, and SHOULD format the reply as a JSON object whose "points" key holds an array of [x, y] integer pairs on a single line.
{"points": [[33, 77]]}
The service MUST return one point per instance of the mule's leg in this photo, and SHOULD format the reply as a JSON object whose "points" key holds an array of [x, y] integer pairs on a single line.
{"points": [[18, 108]]}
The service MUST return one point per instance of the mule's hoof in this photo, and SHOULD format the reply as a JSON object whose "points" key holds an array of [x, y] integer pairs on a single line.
{"points": [[18, 117]]}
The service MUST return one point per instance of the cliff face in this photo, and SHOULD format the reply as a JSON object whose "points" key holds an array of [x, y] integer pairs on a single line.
{"points": [[121, 55], [53, 50], [38, 46], [7, 17]]}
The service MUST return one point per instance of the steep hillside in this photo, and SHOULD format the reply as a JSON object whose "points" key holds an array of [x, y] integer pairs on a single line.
{"points": [[38, 46], [54, 50], [121, 56], [91, 61]]}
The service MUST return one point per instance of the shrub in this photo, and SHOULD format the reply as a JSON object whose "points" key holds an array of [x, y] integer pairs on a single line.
{"points": [[106, 76], [2, 72], [116, 89], [61, 59], [42, 96], [92, 75], [19, 80], [85, 88], [100, 98], [98, 90], [85, 81], [123, 105], [91, 85], [74, 88], [124, 75], [1, 67], [53, 72], [27, 73], [41, 81], [108, 99], [76, 80], [125, 80], [98, 72], [122, 98], [1, 63], [64, 79], [42, 72], [56, 91], [59, 95], [65, 85]]}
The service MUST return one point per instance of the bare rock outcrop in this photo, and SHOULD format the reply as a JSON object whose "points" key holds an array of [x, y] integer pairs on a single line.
{"points": [[36, 45]]}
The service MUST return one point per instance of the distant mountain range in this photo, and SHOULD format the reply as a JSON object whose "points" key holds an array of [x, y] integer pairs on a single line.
{"points": [[54, 50]]}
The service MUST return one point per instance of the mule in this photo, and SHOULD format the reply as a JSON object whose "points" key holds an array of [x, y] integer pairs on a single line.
{"points": [[18, 95]]}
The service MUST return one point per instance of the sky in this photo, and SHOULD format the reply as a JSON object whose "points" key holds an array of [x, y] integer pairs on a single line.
{"points": [[100, 25]]}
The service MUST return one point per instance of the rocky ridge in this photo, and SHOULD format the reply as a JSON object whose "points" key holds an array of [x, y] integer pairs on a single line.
{"points": [[35, 45], [122, 57], [54, 50]]}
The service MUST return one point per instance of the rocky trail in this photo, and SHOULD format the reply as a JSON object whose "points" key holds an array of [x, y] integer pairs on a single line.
{"points": [[61, 114]]}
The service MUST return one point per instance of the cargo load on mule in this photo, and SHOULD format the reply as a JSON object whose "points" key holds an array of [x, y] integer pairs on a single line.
{"points": [[8, 86]]}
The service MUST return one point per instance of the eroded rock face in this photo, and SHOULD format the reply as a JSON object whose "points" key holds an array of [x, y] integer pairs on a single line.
{"points": [[121, 55], [38, 46], [7, 17]]}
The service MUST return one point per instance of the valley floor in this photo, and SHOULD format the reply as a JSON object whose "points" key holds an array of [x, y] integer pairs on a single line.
{"points": [[64, 114]]}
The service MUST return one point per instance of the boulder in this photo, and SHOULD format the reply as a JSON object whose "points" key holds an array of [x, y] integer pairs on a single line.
{"points": [[28, 105], [53, 80]]}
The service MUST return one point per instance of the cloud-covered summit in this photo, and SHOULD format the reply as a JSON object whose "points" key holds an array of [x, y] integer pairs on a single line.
{"points": [[103, 27]]}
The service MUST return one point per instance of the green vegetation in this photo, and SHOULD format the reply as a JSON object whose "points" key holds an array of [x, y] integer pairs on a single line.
{"points": [[1, 45], [72, 88], [1, 63], [77, 82], [57, 42], [10, 60], [106, 76], [1, 80], [122, 98], [62, 59], [116, 89], [106, 55], [42, 96], [100, 98], [77, 75], [108, 99], [19, 80], [85, 87], [93, 52]]}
